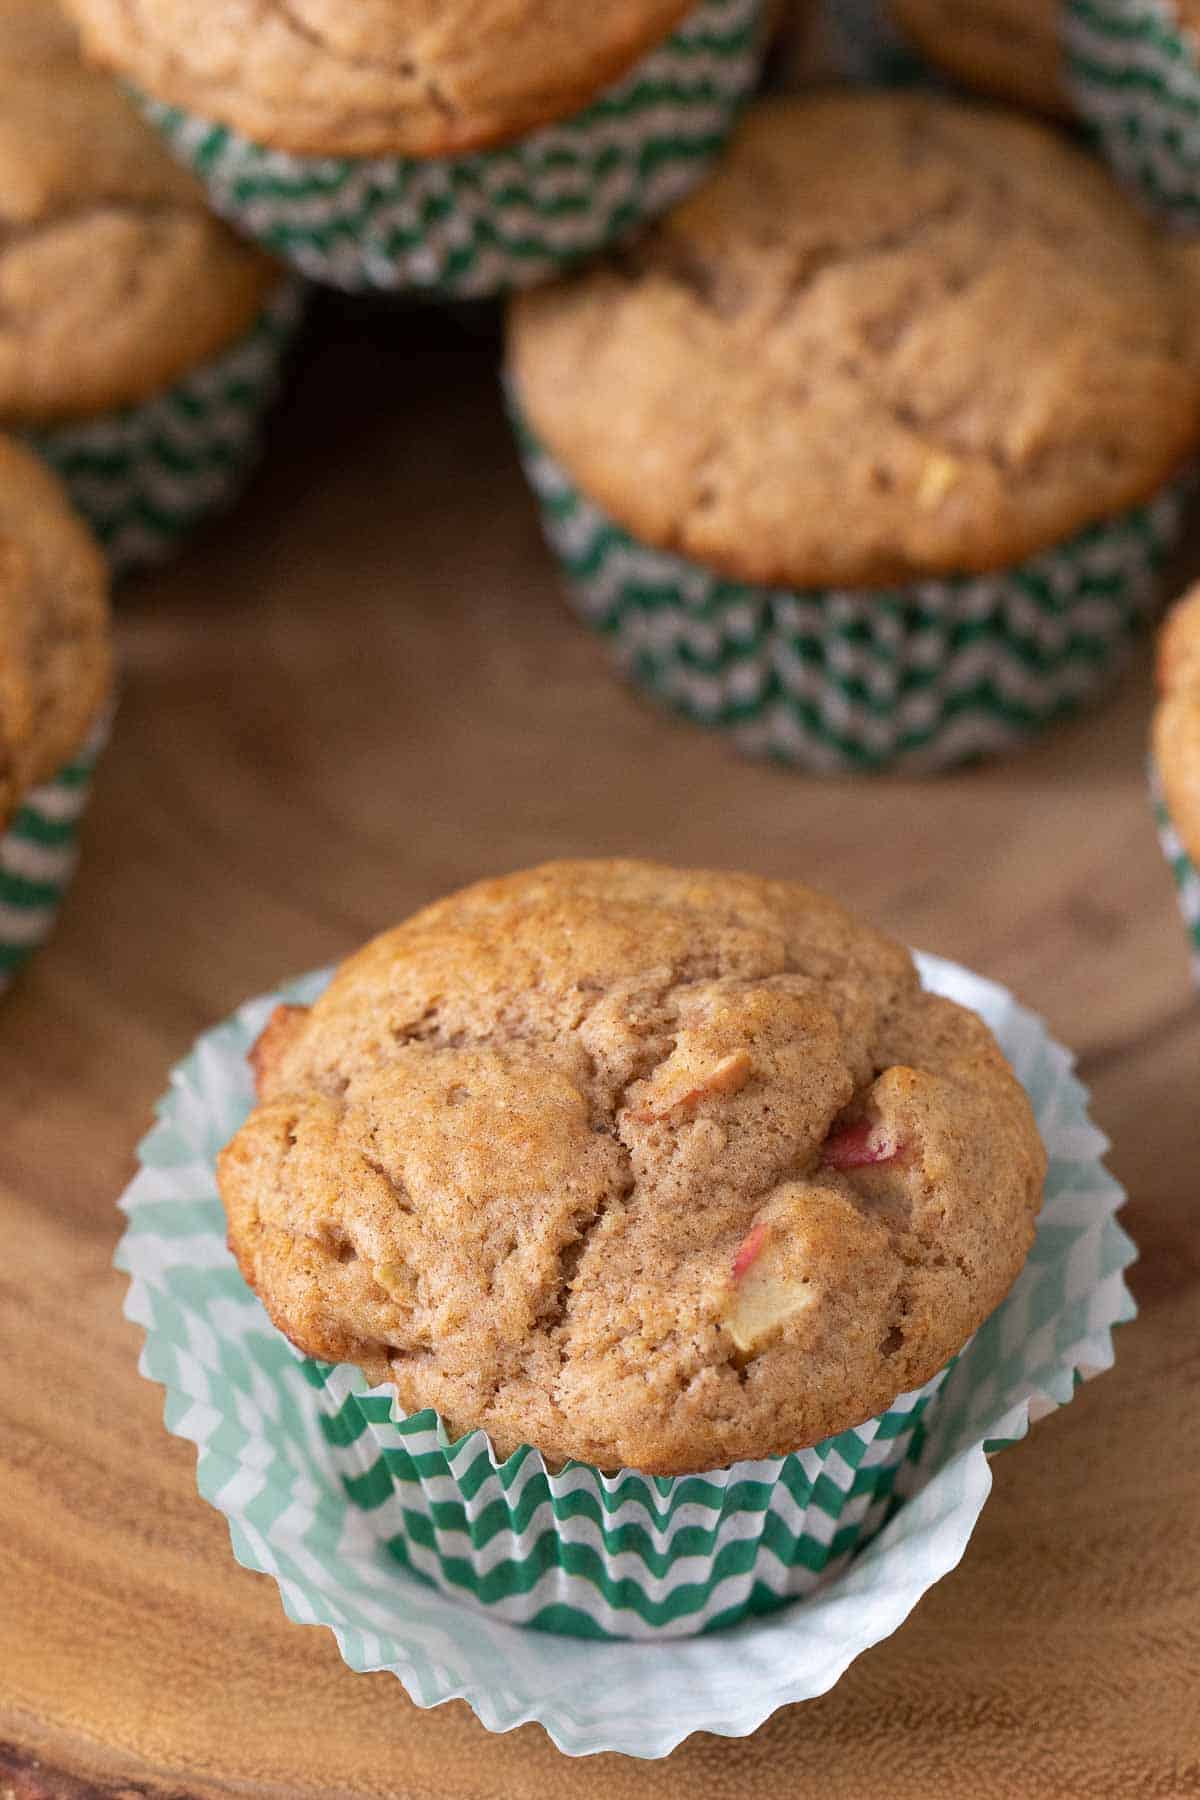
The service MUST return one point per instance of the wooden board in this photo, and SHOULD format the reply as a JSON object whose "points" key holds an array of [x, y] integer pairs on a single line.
{"points": [[363, 690]]}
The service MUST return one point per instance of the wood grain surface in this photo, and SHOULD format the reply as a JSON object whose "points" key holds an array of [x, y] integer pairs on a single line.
{"points": [[364, 689]]}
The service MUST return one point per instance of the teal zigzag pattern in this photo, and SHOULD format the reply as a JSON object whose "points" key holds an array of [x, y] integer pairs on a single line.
{"points": [[471, 225], [1187, 876], [624, 1555], [1134, 75], [146, 475], [277, 1444], [921, 677], [38, 852]]}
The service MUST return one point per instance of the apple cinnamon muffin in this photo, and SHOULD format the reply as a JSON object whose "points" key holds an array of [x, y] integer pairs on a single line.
{"points": [[55, 680], [652, 1168]]}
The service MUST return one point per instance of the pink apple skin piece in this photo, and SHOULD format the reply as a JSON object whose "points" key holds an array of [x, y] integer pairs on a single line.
{"points": [[728, 1076], [859, 1146], [749, 1250]]}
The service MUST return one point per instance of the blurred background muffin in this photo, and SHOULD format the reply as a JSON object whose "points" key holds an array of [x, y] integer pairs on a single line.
{"points": [[866, 452], [139, 338], [55, 679], [463, 149], [1176, 756]]}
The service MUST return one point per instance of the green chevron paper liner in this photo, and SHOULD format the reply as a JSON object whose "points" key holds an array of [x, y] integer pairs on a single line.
{"points": [[466, 226], [622, 1555], [38, 853], [263, 1432], [144, 476], [838, 680], [1187, 876], [1135, 78]]}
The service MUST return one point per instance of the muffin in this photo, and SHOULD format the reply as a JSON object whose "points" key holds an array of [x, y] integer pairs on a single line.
{"points": [[868, 452], [1133, 72], [1176, 755], [55, 676], [139, 339], [647, 1169], [466, 153], [1010, 49]]}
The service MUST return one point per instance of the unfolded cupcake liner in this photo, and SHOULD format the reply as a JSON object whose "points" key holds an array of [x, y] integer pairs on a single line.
{"points": [[38, 853], [478, 224], [146, 475], [279, 1447], [1187, 876], [1134, 77], [841, 680]]}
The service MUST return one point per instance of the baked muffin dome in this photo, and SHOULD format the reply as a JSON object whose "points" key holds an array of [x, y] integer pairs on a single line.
{"points": [[649, 1167], [55, 655], [892, 337], [377, 77], [115, 279]]}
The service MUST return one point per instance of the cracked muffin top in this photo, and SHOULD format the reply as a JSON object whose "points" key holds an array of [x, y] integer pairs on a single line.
{"points": [[114, 277], [1176, 733], [891, 337], [1009, 48], [55, 666], [654, 1168], [376, 77]]}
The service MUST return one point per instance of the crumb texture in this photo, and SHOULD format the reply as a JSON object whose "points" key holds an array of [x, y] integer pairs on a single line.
{"points": [[1008, 48], [376, 77], [1176, 732], [654, 1168], [115, 279], [55, 667], [892, 336]]}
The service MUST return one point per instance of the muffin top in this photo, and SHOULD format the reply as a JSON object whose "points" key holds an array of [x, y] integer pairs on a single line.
{"points": [[114, 277], [377, 77], [55, 658], [1009, 48], [1176, 732], [655, 1168], [891, 337]]}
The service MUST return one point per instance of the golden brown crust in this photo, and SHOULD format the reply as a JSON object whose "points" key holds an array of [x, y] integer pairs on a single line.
{"points": [[1176, 730], [1008, 48], [55, 654], [376, 77], [115, 279], [892, 336], [576, 1156]]}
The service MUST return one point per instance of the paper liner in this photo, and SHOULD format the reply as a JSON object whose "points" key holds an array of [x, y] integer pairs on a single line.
{"points": [[466, 226], [1134, 77], [145, 476], [848, 680], [38, 853], [622, 1555], [236, 1390], [1187, 876]]}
